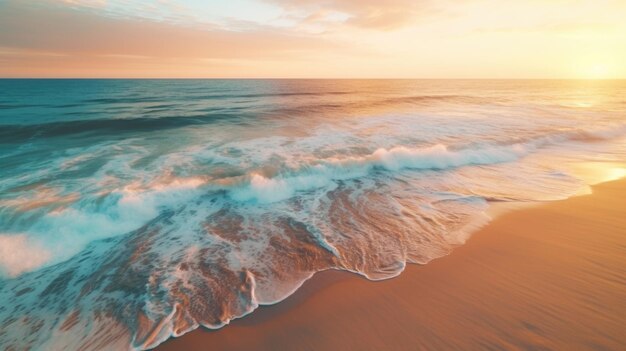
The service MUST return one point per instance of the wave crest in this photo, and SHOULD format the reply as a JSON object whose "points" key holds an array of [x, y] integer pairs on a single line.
{"points": [[324, 172]]}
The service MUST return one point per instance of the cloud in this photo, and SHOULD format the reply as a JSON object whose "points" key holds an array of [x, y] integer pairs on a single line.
{"points": [[552, 27], [304, 38], [44, 37], [68, 31], [372, 14], [89, 3]]}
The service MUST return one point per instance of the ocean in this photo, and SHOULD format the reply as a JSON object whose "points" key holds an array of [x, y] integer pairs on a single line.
{"points": [[136, 210]]}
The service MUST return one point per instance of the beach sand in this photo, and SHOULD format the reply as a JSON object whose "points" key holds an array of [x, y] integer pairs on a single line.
{"points": [[551, 276]]}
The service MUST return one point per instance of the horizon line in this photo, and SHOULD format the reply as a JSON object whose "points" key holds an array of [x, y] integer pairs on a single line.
{"points": [[287, 78]]}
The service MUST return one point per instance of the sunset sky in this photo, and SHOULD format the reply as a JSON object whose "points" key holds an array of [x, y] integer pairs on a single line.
{"points": [[313, 38]]}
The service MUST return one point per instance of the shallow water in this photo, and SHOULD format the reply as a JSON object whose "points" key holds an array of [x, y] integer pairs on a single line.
{"points": [[132, 210]]}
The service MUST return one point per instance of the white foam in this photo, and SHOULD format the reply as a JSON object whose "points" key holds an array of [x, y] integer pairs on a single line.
{"points": [[20, 254], [325, 172], [67, 231]]}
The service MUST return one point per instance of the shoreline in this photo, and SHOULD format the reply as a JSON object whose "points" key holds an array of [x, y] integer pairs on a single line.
{"points": [[533, 277]]}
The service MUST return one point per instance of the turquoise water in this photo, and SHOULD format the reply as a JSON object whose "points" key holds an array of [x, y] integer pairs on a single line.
{"points": [[133, 210]]}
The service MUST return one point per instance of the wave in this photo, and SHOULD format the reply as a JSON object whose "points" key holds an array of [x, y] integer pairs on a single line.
{"points": [[106, 126], [220, 96], [120, 211], [437, 157], [321, 173], [129, 208], [597, 134], [17, 106], [436, 98], [18, 254]]}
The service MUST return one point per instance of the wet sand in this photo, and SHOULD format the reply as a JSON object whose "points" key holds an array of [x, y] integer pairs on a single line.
{"points": [[550, 277]]}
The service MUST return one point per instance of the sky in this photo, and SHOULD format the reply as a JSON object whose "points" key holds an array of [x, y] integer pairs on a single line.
{"points": [[313, 38]]}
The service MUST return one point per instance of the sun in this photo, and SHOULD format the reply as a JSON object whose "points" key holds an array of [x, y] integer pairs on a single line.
{"points": [[594, 68], [598, 71]]}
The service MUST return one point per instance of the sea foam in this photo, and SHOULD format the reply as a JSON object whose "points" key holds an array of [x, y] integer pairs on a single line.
{"points": [[323, 172], [19, 254]]}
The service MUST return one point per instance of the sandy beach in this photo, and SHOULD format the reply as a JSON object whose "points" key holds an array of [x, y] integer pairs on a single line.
{"points": [[550, 277]]}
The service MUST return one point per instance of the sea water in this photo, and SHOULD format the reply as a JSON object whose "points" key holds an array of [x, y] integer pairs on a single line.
{"points": [[136, 210]]}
